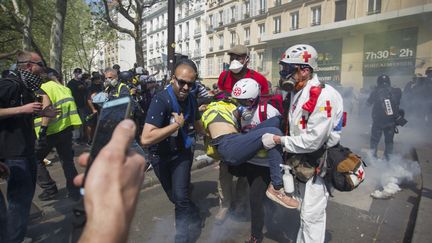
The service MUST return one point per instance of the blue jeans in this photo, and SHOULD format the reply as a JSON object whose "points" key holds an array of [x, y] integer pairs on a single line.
{"points": [[238, 148], [174, 175], [20, 191]]}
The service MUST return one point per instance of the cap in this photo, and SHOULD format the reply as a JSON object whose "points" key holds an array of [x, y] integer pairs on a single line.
{"points": [[238, 50], [77, 70]]}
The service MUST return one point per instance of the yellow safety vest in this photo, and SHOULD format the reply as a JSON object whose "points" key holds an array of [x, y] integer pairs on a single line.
{"points": [[118, 89], [223, 108], [61, 97]]}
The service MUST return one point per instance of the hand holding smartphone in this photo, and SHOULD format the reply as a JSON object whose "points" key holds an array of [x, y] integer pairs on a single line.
{"points": [[112, 113]]}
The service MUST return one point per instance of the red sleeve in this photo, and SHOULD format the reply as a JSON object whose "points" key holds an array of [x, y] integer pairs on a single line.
{"points": [[262, 81], [227, 85]]}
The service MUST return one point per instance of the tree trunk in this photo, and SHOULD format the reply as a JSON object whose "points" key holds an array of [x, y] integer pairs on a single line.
{"points": [[27, 21], [139, 52], [56, 48]]}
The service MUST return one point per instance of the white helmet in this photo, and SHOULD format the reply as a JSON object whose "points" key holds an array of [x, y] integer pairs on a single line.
{"points": [[246, 88], [300, 54]]}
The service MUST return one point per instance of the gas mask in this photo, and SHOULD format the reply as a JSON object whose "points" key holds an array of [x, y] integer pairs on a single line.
{"points": [[32, 81], [112, 82], [286, 81], [236, 66], [245, 113]]}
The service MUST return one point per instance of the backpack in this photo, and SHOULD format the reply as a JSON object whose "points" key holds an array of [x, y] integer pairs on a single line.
{"points": [[344, 169], [275, 100]]}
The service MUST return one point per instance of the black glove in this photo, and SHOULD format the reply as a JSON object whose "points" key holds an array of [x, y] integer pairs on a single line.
{"points": [[42, 142]]}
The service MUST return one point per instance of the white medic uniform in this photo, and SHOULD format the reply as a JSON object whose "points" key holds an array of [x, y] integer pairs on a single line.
{"points": [[253, 122], [308, 133]]}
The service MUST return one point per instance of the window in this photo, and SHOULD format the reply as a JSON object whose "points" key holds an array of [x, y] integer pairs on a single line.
{"points": [[247, 35], [341, 9], [233, 14], [221, 41], [211, 42], [233, 38], [260, 61], [211, 21], [316, 15], [374, 6], [220, 64], [210, 66], [246, 9], [261, 28], [220, 18], [294, 20], [277, 24], [262, 6]]}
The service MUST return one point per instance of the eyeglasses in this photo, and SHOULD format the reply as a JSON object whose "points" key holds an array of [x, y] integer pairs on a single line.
{"points": [[181, 83]]}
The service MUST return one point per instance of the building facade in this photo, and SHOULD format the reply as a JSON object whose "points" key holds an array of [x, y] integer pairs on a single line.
{"points": [[189, 31], [357, 40]]}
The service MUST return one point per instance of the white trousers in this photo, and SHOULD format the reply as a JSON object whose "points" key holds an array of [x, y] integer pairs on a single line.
{"points": [[313, 212]]}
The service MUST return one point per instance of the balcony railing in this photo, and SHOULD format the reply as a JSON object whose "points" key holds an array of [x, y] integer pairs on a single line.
{"points": [[232, 45], [247, 42], [197, 31], [220, 47], [261, 11], [246, 15], [210, 49], [220, 23], [233, 20]]}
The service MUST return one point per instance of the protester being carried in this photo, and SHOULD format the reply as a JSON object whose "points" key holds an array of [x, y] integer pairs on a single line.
{"points": [[234, 148]]}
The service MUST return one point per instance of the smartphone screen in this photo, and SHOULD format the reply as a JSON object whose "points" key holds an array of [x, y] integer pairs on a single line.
{"points": [[112, 113]]}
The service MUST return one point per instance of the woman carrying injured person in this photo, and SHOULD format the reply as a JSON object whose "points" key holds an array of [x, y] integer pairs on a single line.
{"points": [[221, 121]]}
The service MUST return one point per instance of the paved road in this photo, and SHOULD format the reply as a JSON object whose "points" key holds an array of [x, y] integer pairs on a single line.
{"points": [[351, 217]]}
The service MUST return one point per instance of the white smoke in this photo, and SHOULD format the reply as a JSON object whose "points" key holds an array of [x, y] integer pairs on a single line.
{"points": [[387, 176]]}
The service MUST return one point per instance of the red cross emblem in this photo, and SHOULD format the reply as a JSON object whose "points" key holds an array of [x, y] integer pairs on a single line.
{"points": [[360, 175], [306, 56], [328, 108], [237, 91], [303, 122]]}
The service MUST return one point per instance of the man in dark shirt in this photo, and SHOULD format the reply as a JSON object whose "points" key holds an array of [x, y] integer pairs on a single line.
{"points": [[167, 131], [17, 138], [80, 93], [385, 102]]}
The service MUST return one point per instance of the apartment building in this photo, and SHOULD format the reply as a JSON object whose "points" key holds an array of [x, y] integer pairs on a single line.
{"points": [[188, 39], [235, 22], [357, 40]]}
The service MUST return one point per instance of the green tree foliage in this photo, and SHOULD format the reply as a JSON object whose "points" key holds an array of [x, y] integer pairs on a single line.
{"points": [[83, 38]]}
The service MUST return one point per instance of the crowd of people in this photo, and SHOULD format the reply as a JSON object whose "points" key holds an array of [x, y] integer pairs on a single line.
{"points": [[249, 133]]}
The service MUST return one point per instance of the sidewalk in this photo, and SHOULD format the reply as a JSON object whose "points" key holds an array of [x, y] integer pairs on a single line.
{"points": [[422, 232], [42, 210]]}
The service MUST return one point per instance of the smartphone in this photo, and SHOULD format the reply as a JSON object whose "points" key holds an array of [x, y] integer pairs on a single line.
{"points": [[112, 113], [39, 98]]}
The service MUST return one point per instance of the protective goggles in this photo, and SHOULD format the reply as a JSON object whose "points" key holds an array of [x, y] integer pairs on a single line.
{"points": [[287, 70]]}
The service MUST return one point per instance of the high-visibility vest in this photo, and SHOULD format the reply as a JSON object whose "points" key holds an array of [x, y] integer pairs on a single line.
{"points": [[222, 108], [61, 97], [118, 89]]}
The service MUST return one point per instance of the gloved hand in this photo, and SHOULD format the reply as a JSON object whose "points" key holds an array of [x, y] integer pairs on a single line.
{"points": [[267, 140], [42, 142]]}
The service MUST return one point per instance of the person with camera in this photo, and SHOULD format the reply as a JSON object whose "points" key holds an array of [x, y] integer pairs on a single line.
{"points": [[386, 114], [172, 115]]}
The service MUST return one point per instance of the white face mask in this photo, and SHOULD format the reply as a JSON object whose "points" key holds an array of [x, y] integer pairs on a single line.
{"points": [[79, 76], [112, 82], [235, 66]]}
